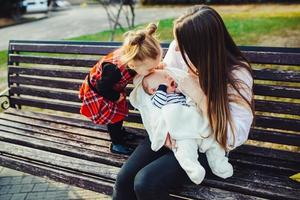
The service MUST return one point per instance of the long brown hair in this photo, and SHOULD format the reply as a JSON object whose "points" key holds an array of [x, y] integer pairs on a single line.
{"points": [[205, 43]]}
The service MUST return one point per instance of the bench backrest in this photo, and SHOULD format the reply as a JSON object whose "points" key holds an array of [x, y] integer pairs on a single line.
{"points": [[48, 75]]}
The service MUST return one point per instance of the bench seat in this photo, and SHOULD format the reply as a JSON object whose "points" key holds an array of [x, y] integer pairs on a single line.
{"points": [[75, 151]]}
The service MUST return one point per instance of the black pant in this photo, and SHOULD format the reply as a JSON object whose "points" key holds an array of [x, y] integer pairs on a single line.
{"points": [[115, 132], [148, 175]]}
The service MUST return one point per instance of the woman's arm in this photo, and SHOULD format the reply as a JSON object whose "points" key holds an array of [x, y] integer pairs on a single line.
{"points": [[241, 113]]}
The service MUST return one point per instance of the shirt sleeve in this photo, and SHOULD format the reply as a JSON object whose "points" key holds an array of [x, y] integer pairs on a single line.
{"points": [[111, 75], [241, 114], [173, 58], [159, 99]]}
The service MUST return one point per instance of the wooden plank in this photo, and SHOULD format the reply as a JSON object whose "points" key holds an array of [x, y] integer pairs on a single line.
{"points": [[62, 161], [279, 58], [284, 168], [58, 84], [292, 157], [277, 123], [48, 72], [277, 75], [277, 91], [56, 119], [63, 48], [277, 107], [45, 104], [275, 137], [103, 155], [59, 128], [71, 123], [37, 92], [50, 60], [33, 132], [206, 192]]}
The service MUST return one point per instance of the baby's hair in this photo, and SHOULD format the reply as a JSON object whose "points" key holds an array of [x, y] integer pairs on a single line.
{"points": [[140, 44], [145, 84]]}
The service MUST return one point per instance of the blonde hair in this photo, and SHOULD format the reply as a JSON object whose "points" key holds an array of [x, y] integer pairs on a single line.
{"points": [[140, 45]]}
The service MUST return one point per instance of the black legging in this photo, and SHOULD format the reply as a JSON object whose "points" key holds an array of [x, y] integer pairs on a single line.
{"points": [[148, 175]]}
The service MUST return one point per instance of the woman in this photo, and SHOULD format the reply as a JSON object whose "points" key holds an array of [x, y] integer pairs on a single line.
{"points": [[203, 47]]}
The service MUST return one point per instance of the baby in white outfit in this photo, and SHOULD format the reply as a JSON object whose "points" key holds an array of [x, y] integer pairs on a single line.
{"points": [[179, 117]]}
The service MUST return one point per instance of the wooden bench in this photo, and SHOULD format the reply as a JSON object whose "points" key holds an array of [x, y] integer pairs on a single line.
{"points": [[41, 132]]}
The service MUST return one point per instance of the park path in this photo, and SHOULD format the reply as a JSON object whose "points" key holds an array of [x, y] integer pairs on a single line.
{"points": [[78, 21], [15, 185]]}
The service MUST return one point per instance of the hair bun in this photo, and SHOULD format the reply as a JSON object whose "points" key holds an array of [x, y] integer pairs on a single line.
{"points": [[151, 28], [138, 38]]}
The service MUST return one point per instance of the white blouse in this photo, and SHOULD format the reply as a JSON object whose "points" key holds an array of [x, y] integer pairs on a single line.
{"points": [[242, 116]]}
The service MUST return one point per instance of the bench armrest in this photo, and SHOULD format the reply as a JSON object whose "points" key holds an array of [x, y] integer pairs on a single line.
{"points": [[5, 103]]}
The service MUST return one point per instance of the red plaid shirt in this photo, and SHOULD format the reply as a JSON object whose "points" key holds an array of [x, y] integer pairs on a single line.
{"points": [[96, 107]]}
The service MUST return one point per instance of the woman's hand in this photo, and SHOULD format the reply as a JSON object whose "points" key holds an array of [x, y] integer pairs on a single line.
{"points": [[170, 143]]}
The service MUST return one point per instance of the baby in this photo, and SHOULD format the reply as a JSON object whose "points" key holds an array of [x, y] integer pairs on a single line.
{"points": [[180, 118], [163, 89]]}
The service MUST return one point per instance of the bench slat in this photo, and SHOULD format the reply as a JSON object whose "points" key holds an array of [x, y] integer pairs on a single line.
{"points": [[277, 75], [63, 48], [277, 107], [59, 84], [278, 58], [49, 72], [44, 124], [254, 151], [40, 127], [66, 96], [264, 90], [79, 62], [277, 91], [260, 105], [102, 155], [275, 137], [34, 132], [278, 123], [44, 104]]}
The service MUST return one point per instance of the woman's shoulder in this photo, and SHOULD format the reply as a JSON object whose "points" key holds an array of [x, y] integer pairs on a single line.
{"points": [[243, 74]]}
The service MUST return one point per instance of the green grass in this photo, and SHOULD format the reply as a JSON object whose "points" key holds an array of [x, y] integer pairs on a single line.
{"points": [[3, 60], [244, 30]]}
